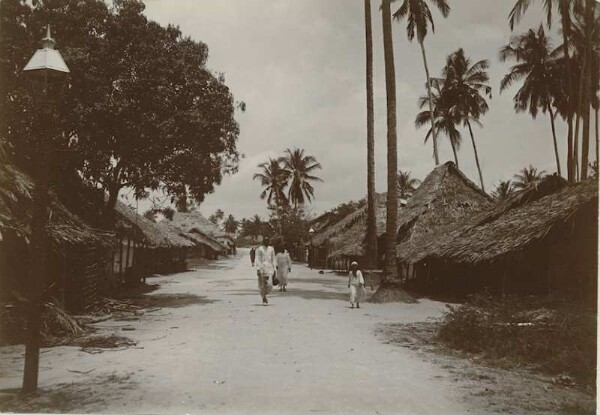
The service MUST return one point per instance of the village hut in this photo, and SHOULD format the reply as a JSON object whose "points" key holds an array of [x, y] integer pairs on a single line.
{"points": [[79, 257], [542, 240], [216, 241], [444, 197], [146, 247]]}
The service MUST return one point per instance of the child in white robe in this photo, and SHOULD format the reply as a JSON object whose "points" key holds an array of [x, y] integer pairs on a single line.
{"points": [[356, 283]]}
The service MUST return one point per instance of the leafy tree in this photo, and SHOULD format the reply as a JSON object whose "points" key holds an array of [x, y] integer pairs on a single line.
{"points": [[300, 168], [230, 225], [503, 190], [465, 86], [527, 177], [150, 214], [168, 124], [406, 184], [542, 76], [446, 118], [418, 16]]}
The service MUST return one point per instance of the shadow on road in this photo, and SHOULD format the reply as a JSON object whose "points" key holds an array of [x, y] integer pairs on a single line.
{"points": [[170, 300], [305, 294]]}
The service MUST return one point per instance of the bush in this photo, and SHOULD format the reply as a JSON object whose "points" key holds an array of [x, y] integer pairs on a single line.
{"points": [[553, 336]]}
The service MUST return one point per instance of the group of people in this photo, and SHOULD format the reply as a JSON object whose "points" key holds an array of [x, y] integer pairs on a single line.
{"points": [[273, 266]]}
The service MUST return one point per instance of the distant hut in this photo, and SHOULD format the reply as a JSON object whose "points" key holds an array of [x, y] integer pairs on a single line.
{"points": [[541, 240], [79, 256], [217, 241], [147, 247]]}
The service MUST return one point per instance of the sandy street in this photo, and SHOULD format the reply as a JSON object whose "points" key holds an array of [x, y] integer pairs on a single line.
{"points": [[306, 352]]}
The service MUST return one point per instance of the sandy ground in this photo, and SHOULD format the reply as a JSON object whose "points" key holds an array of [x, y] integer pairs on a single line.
{"points": [[213, 348]]}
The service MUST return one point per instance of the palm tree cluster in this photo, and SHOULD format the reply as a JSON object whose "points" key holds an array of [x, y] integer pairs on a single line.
{"points": [[406, 184], [563, 81], [288, 180], [458, 99], [524, 179]]}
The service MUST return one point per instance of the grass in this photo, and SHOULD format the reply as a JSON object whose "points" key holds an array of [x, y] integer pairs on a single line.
{"points": [[553, 336]]}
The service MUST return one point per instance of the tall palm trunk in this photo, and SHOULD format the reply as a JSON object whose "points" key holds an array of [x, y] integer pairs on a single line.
{"points": [[371, 213], [433, 130], [455, 153], [576, 147], [476, 156], [391, 270], [566, 31], [578, 115], [597, 139], [554, 138], [587, 73]]}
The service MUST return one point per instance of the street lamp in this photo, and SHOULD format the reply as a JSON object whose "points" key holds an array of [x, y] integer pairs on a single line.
{"points": [[46, 72]]}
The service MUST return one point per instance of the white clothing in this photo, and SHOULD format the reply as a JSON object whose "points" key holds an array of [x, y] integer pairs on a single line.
{"points": [[284, 265], [265, 259], [356, 283]]}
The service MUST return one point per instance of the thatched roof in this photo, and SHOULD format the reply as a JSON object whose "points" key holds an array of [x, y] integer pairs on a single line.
{"points": [[64, 228], [444, 196], [200, 238], [514, 225], [155, 235], [195, 221]]}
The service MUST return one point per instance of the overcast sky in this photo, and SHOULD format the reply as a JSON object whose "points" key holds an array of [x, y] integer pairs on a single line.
{"points": [[300, 67]]}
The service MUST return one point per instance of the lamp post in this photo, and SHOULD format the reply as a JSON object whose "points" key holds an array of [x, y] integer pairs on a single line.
{"points": [[311, 232], [46, 71]]}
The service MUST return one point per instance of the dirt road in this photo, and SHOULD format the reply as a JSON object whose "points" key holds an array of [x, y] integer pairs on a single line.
{"points": [[213, 348]]}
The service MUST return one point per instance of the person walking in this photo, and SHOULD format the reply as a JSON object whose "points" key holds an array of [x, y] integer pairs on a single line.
{"points": [[283, 264], [252, 255], [356, 283], [265, 262]]}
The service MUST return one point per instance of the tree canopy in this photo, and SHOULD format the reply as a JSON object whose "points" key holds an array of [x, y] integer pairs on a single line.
{"points": [[141, 109]]}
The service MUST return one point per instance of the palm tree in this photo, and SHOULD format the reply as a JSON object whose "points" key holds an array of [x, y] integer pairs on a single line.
{"points": [[406, 184], [419, 18], [230, 225], [300, 168], [391, 267], [217, 216], [464, 87], [274, 179], [503, 190], [371, 213], [537, 66], [586, 42], [446, 119], [564, 9], [527, 177]]}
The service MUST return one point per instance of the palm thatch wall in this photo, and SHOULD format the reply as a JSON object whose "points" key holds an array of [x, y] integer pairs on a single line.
{"points": [[541, 240], [79, 261]]}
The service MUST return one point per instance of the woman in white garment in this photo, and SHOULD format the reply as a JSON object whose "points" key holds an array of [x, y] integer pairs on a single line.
{"points": [[356, 283], [265, 263], [283, 265]]}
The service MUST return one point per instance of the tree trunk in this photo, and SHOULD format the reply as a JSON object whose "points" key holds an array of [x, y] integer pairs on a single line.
{"points": [[454, 152], [576, 148], [109, 207], [391, 270], [476, 156], [587, 89], [371, 250], [555, 142], [430, 100], [566, 31], [597, 139]]}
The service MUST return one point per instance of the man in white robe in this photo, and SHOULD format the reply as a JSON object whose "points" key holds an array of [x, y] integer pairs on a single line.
{"points": [[265, 262]]}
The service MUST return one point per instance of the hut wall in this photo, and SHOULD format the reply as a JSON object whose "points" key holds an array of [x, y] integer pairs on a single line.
{"points": [[573, 258], [86, 276]]}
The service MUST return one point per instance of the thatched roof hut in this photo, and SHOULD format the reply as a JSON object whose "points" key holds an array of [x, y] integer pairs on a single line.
{"points": [[195, 222], [79, 260], [64, 228], [152, 235], [445, 196], [525, 219], [451, 234]]}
